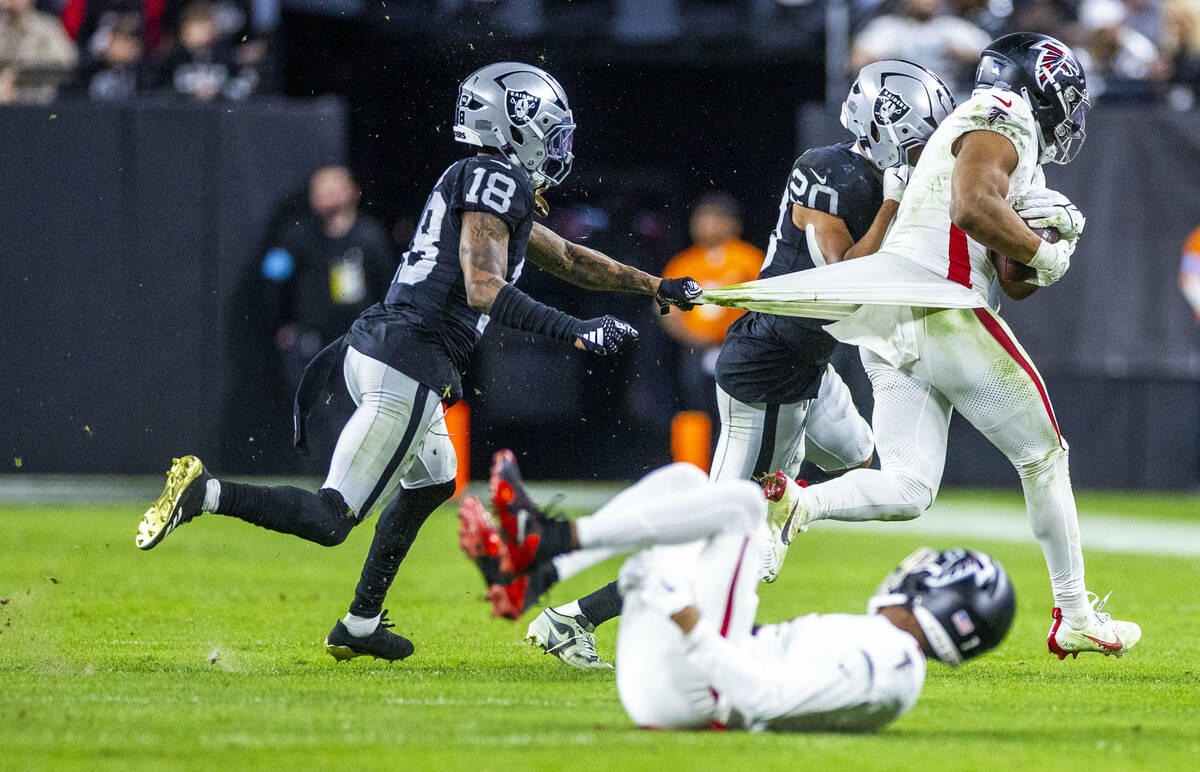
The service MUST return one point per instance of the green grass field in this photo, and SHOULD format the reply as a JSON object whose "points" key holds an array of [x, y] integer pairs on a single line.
{"points": [[205, 653]]}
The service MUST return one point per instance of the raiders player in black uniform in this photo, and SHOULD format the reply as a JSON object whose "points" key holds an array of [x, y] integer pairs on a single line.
{"points": [[402, 358], [780, 400]]}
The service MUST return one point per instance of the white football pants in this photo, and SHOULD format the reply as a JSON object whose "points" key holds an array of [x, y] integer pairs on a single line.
{"points": [[970, 362], [396, 436], [759, 438], [707, 533]]}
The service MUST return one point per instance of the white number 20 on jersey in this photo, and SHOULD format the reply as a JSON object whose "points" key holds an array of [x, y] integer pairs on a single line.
{"points": [[498, 192]]}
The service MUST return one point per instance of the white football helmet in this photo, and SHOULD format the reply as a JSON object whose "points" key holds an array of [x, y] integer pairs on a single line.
{"points": [[893, 108], [520, 110]]}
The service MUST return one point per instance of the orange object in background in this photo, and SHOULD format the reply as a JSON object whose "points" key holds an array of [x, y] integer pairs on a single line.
{"points": [[731, 262], [458, 424], [691, 438]]}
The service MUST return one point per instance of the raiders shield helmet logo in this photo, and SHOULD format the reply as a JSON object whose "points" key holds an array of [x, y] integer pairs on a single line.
{"points": [[889, 107], [522, 107]]}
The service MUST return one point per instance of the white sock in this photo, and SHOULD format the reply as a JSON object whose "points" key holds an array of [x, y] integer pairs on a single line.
{"points": [[1051, 509], [569, 564], [569, 609], [360, 627], [212, 495]]}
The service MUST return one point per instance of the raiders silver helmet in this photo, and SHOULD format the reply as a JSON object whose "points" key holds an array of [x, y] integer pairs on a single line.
{"points": [[893, 108], [521, 111]]}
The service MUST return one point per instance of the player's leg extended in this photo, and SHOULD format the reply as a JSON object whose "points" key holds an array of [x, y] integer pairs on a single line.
{"points": [[371, 447], [680, 516], [428, 483], [836, 437], [994, 385], [910, 422], [375, 451], [757, 439]]}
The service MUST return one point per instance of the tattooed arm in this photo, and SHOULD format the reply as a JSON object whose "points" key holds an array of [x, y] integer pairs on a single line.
{"points": [[585, 267], [483, 252]]}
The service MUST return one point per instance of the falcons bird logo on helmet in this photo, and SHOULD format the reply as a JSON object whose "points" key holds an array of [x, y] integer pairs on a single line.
{"points": [[1052, 60]]}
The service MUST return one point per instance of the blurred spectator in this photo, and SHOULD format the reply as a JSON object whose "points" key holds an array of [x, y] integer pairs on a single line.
{"points": [[1181, 44], [119, 73], [991, 16], [89, 22], [1121, 63], [35, 53], [1047, 17], [1189, 272], [203, 65], [325, 267], [718, 257], [926, 34]]}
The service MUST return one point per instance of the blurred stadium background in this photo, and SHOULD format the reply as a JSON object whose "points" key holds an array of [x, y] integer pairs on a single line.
{"points": [[157, 160]]}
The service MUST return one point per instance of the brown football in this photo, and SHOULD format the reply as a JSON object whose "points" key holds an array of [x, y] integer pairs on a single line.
{"points": [[1012, 271]]}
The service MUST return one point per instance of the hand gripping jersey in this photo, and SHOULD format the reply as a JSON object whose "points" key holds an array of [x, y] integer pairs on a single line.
{"points": [[780, 360], [424, 327], [922, 231]]}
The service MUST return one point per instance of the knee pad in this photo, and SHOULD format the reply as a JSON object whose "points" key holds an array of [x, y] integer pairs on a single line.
{"points": [[685, 474], [747, 497], [916, 494], [339, 520], [1034, 467]]}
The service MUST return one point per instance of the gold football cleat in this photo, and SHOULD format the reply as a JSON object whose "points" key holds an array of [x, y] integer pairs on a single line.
{"points": [[181, 500]]}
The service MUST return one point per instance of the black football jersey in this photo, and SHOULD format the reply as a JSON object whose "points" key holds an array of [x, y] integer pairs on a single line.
{"points": [[424, 327], [780, 359]]}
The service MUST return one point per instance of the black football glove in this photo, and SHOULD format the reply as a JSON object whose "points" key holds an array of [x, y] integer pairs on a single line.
{"points": [[605, 335], [677, 292]]}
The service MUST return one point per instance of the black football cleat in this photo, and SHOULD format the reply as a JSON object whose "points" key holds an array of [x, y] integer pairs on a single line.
{"points": [[181, 500], [381, 644]]}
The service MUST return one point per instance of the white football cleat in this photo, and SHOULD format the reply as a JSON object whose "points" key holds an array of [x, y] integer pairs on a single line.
{"points": [[784, 518], [570, 638], [1101, 633]]}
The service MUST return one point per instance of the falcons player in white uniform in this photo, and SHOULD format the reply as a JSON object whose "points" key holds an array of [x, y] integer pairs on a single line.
{"points": [[977, 185], [688, 655]]}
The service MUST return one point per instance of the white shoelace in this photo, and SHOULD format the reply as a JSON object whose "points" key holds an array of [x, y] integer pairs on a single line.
{"points": [[1097, 604], [585, 647]]}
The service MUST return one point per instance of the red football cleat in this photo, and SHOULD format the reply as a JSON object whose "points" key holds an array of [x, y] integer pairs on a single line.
{"points": [[477, 532], [508, 600], [520, 521]]}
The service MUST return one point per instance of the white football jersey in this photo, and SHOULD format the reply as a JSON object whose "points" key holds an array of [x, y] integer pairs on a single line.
{"points": [[922, 231], [837, 672]]}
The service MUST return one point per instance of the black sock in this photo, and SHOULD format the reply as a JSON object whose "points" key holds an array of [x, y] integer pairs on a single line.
{"points": [[602, 605], [394, 534], [322, 517], [541, 579], [556, 539]]}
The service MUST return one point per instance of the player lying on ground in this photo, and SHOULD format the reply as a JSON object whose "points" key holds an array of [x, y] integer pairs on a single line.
{"points": [[688, 654], [779, 398], [977, 187], [402, 358]]}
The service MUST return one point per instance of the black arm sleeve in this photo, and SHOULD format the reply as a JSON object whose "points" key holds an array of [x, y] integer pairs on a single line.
{"points": [[513, 308]]}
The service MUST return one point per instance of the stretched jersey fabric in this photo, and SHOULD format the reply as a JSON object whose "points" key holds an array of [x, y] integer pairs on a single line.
{"points": [[780, 360], [925, 259], [424, 327]]}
